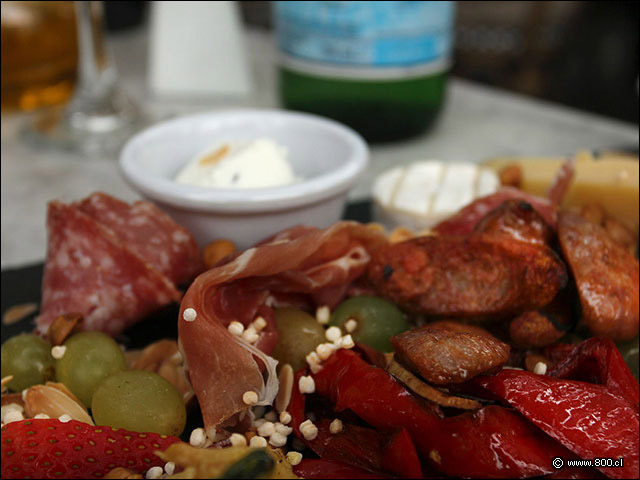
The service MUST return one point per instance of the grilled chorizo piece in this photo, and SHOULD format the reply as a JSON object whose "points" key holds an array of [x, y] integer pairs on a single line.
{"points": [[444, 355], [478, 276], [460, 327], [534, 329], [519, 220], [539, 328], [606, 275]]}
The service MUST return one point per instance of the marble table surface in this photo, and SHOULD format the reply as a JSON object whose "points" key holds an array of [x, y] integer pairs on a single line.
{"points": [[478, 122]]}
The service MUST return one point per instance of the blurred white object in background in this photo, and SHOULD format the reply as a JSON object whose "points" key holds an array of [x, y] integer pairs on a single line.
{"points": [[197, 49]]}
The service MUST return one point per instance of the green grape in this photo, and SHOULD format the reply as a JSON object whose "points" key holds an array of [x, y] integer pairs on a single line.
{"points": [[140, 401], [90, 357], [377, 320], [298, 334], [28, 358]]}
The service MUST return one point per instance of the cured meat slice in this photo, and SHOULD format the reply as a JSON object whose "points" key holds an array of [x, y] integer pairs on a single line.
{"points": [[301, 262], [561, 182], [517, 219], [606, 275], [149, 233], [464, 222], [91, 272], [481, 276]]}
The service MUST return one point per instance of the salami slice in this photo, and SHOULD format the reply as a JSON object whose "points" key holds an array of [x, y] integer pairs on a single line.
{"points": [[300, 264], [90, 271], [149, 233]]}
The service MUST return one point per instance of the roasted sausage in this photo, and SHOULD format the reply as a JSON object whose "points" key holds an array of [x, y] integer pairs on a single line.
{"points": [[534, 329], [606, 275], [444, 355], [539, 328], [519, 220], [479, 276]]}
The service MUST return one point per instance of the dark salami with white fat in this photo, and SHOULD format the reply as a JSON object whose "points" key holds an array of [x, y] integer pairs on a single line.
{"points": [[91, 272], [149, 233], [113, 263]]}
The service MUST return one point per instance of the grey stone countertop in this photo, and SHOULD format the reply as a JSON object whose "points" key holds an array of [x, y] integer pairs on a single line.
{"points": [[478, 122]]}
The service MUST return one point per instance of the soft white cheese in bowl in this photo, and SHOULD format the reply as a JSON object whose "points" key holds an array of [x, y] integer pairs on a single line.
{"points": [[259, 163], [253, 194]]}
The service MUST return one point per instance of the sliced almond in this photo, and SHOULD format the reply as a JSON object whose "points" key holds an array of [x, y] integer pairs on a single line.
{"points": [[155, 354], [427, 391], [62, 327], [18, 312], [54, 400], [63, 388], [175, 375], [132, 357], [285, 380], [5, 381], [10, 398], [160, 357], [120, 472]]}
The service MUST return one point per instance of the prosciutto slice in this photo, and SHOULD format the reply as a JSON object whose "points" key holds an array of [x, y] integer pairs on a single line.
{"points": [[293, 267], [98, 269]]}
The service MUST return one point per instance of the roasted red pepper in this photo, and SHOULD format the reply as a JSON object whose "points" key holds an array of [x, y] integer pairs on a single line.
{"points": [[598, 360], [330, 469], [492, 442], [360, 447], [588, 419]]}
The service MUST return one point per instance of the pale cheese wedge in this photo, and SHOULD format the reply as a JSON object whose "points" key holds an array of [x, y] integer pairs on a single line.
{"points": [[610, 180], [421, 194]]}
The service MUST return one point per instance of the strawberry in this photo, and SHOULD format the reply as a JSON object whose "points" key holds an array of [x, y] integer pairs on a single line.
{"points": [[52, 449]]}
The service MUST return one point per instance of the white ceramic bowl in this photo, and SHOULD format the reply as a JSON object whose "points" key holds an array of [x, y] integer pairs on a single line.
{"points": [[326, 155]]}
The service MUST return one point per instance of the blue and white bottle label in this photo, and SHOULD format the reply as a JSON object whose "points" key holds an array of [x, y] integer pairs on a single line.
{"points": [[388, 39]]}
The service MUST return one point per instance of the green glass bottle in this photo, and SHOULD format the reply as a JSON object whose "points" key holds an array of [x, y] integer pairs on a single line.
{"points": [[380, 67]]}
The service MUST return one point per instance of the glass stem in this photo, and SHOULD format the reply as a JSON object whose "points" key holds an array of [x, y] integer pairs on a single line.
{"points": [[88, 69], [95, 81]]}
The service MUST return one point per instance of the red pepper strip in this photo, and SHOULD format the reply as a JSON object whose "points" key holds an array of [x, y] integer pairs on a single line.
{"points": [[330, 469], [558, 351], [492, 442], [360, 447], [400, 456], [588, 419], [598, 360]]}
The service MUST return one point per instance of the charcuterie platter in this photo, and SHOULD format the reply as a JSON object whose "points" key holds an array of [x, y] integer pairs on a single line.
{"points": [[484, 346]]}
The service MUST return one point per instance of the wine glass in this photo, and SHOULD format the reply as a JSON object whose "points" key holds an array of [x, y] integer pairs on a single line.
{"points": [[99, 118]]}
